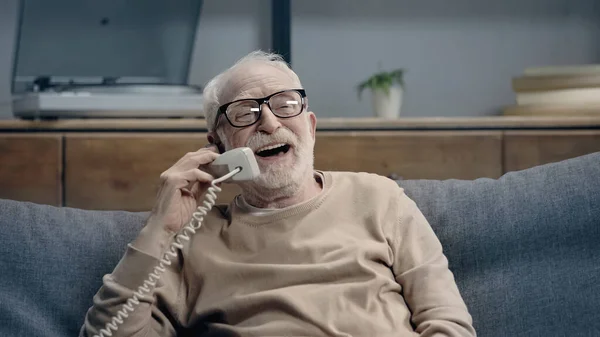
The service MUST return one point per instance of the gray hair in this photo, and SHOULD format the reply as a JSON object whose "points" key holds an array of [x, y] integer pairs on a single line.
{"points": [[213, 89]]}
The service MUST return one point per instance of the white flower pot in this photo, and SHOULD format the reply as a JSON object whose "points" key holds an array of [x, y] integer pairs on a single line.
{"points": [[387, 105]]}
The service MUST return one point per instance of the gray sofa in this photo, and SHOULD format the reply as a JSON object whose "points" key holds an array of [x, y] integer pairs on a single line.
{"points": [[525, 250]]}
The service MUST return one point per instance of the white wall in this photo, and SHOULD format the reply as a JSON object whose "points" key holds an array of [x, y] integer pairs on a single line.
{"points": [[460, 55], [460, 58]]}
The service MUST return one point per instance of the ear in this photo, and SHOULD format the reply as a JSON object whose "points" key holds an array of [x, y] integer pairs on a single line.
{"points": [[213, 138], [312, 121]]}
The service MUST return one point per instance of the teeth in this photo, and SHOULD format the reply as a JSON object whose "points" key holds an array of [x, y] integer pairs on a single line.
{"points": [[270, 147]]}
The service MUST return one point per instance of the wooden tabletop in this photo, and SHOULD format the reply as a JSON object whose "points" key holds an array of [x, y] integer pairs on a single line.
{"points": [[326, 124]]}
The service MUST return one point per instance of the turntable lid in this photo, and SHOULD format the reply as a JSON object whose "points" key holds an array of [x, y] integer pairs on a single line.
{"points": [[145, 41]]}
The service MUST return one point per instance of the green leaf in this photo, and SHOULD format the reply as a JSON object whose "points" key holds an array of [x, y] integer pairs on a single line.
{"points": [[382, 80]]}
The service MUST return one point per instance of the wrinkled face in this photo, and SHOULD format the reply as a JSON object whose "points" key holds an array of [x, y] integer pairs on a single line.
{"points": [[283, 147]]}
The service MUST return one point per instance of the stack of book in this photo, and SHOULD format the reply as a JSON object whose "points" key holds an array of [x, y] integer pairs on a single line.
{"points": [[557, 91]]}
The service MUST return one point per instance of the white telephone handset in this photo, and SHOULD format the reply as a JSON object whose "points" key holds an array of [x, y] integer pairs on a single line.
{"points": [[238, 164], [241, 157]]}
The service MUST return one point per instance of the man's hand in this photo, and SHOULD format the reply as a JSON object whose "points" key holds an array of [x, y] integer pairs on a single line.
{"points": [[182, 188]]}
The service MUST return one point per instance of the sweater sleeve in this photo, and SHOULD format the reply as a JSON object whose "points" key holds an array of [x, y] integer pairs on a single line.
{"points": [[158, 311], [428, 285]]}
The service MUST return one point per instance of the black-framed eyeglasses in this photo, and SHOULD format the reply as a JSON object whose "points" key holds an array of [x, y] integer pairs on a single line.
{"points": [[245, 112]]}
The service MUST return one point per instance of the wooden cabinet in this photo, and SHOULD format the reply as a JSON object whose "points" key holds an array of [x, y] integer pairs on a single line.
{"points": [[525, 149], [117, 164], [412, 154], [31, 168], [121, 171]]}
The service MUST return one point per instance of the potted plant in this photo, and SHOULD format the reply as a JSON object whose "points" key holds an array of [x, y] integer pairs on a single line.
{"points": [[387, 91]]}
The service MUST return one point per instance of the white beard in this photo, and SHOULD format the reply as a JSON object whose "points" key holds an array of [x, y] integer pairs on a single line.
{"points": [[281, 180], [287, 176]]}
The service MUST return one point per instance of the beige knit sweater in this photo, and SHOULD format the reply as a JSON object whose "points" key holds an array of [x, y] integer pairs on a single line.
{"points": [[357, 260]]}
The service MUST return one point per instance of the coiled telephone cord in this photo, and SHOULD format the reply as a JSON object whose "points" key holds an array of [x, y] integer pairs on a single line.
{"points": [[184, 234]]}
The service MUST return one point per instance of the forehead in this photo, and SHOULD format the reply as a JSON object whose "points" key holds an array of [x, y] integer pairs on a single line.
{"points": [[256, 79]]}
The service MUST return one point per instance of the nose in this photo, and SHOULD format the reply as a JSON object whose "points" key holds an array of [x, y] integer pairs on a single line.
{"points": [[268, 122]]}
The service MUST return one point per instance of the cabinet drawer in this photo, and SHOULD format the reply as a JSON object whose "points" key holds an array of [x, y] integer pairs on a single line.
{"points": [[121, 171], [412, 155], [525, 149], [31, 168]]}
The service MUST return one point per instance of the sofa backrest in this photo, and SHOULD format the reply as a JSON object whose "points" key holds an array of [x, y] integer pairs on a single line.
{"points": [[52, 262], [524, 250]]}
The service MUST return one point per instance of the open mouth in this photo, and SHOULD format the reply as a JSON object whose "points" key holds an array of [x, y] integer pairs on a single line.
{"points": [[273, 150]]}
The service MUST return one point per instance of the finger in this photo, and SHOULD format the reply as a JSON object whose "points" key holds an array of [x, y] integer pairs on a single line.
{"points": [[212, 147], [197, 175], [196, 160], [209, 148], [186, 178]]}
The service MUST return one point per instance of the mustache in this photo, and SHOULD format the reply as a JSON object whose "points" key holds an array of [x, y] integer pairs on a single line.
{"points": [[282, 135]]}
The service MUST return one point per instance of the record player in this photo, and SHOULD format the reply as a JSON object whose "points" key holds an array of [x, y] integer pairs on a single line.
{"points": [[99, 59]]}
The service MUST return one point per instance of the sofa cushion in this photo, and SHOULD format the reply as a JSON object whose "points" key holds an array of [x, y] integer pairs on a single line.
{"points": [[525, 249], [53, 260]]}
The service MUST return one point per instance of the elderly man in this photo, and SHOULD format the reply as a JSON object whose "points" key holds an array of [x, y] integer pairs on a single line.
{"points": [[300, 252]]}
